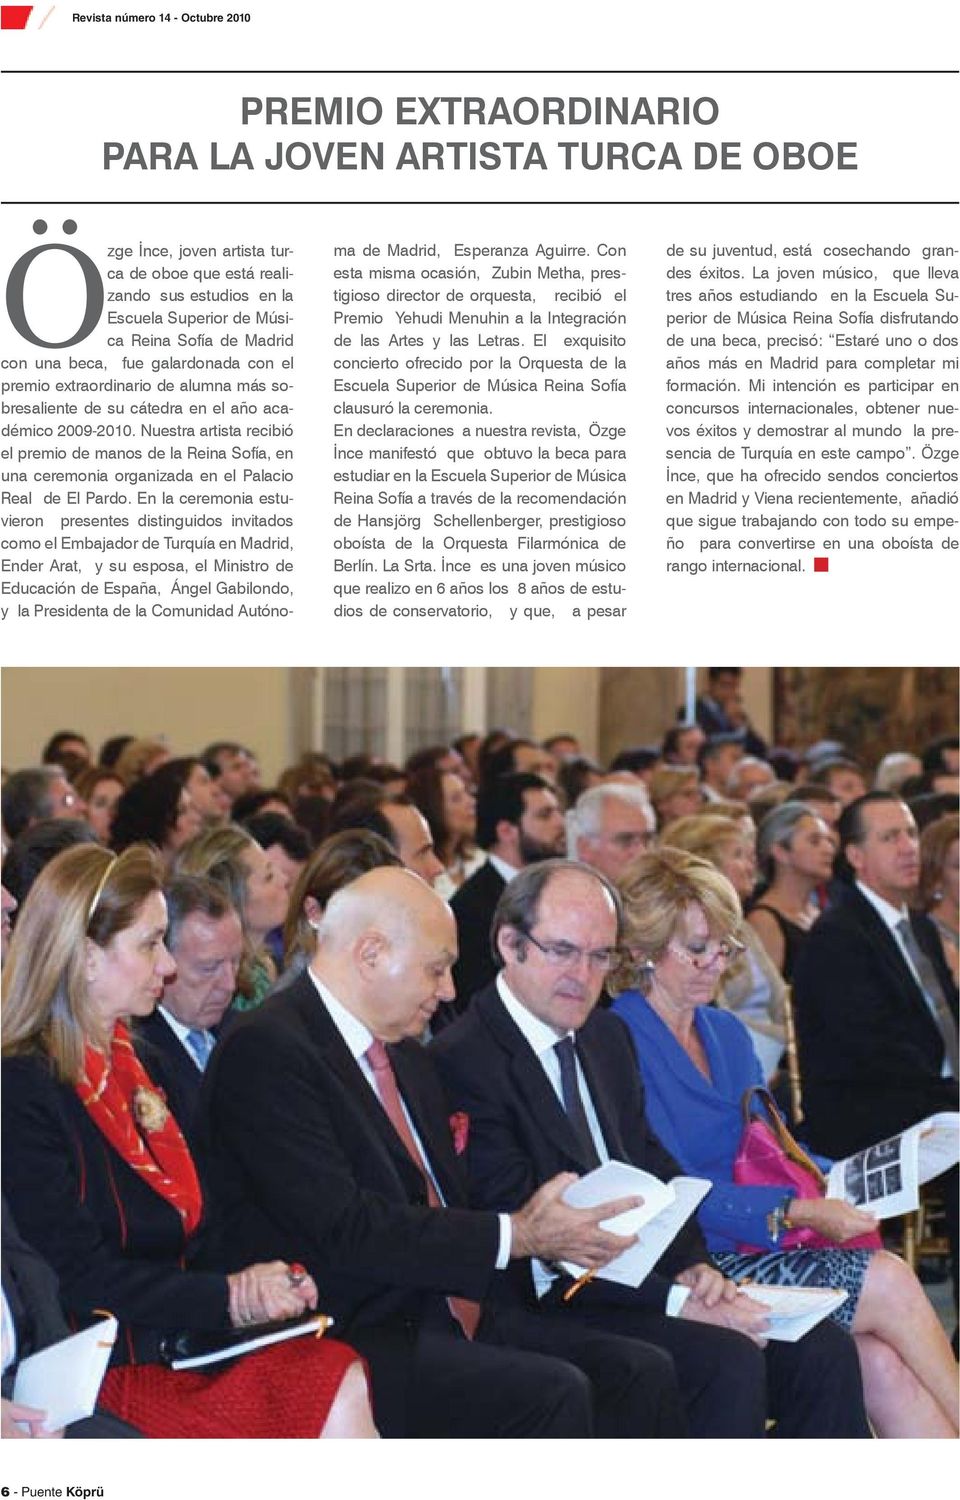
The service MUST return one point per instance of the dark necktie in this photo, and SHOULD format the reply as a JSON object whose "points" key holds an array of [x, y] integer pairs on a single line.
{"points": [[572, 1101], [933, 991], [467, 1313]]}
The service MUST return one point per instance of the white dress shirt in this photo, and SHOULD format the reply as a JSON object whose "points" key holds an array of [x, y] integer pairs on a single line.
{"points": [[9, 1335], [505, 871], [180, 1032]]}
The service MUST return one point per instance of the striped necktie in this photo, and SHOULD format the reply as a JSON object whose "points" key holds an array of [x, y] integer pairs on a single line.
{"points": [[932, 992]]}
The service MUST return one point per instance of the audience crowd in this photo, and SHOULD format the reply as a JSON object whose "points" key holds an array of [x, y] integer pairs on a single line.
{"points": [[342, 1043]]}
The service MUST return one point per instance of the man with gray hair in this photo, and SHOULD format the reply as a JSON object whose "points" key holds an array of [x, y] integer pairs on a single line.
{"points": [[747, 776], [609, 826], [205, 938], [36, 793]]}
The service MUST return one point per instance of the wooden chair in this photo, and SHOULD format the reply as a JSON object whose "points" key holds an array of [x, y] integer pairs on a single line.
{"points": [[923, 1231], [793, 1060]]}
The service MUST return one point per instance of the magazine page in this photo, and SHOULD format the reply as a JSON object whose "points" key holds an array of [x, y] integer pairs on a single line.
{"points": [[885, 1179], [398, 401]]}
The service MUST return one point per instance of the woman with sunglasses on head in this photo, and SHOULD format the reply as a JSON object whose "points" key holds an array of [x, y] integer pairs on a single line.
{"points": [[680, 915], [104, 1186]]}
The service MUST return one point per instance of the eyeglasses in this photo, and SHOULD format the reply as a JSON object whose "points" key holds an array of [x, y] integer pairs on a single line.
{"points": [[633, 840], [565, 955], [705, 955]]}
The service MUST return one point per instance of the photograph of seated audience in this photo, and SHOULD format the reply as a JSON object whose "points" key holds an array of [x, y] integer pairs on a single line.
{"points": [[297, 1030]]}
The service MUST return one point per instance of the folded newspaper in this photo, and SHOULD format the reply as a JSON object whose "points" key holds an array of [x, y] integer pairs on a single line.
{"points": [[665, 1209], [886, 1178]]}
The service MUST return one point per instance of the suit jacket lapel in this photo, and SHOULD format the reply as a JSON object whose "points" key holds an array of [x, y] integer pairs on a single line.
{"points": [[435, 1137], [338, 1056], [492, 884], [889, 949], [530, 1078], [593, 1070]]}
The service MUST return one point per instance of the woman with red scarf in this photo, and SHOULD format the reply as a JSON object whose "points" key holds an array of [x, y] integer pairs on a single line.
{"points": [[103, 1185]]}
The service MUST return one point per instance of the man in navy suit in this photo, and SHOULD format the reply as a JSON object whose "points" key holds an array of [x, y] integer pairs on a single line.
{"points": [[205, 938], [720, 709], [551, 1084], [876, 1005]]}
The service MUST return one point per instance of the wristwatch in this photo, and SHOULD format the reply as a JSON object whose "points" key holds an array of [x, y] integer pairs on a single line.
{"points": [[779, 1219]]}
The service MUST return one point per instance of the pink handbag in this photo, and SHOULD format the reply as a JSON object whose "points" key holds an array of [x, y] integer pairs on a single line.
{"points": [[768, 1156]]}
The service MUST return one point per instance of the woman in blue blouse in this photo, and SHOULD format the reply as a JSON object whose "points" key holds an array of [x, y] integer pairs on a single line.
{"points": [[696, 1063]]}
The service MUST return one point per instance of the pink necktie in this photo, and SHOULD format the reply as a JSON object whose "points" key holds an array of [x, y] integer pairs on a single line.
{"points": [[466, 1313]]}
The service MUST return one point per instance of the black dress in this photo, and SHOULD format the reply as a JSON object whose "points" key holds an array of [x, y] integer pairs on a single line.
{"points": [[794, 938]]}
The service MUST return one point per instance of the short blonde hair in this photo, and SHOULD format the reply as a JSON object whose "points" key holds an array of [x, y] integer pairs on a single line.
{"points": [[702, 834], [137, 757], [724, 809], [657, 889], [85, 892], [666, 780], [217, 855]]}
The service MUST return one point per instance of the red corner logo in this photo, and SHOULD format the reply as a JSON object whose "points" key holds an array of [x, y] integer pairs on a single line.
{"points": [[14, 17]]}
